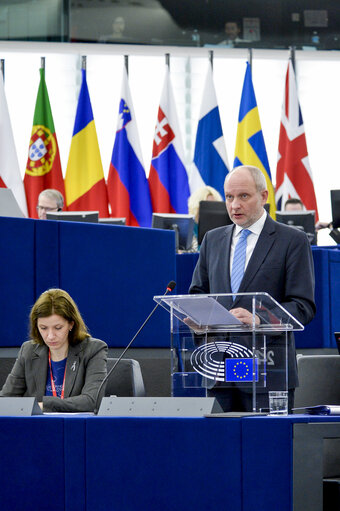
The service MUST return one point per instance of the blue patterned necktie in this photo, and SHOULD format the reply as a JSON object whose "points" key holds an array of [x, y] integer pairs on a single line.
{"points": [[239, 261]]}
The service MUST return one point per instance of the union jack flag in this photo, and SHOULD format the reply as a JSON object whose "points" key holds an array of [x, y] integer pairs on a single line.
{"points": [[293, 174]]}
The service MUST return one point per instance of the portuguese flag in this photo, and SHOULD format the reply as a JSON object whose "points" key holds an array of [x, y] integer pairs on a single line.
{"points": [[43, 168]]}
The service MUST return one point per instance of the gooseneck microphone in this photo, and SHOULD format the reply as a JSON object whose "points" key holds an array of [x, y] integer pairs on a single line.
{"points": [[170, 287]]}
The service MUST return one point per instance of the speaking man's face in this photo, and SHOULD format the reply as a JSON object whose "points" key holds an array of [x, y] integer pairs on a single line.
{"points": [[244, 202]]}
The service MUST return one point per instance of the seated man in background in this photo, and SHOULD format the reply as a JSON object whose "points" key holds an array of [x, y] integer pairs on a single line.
{"points": [[278, 261], [49, 200], [294, 205]]}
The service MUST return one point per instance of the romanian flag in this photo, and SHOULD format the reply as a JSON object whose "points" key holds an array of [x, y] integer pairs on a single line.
{"points": [[85, 185], [43, 168], [250, 147]]}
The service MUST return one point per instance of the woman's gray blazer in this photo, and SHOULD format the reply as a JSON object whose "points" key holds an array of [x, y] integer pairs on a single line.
{"points": [[85, 370]]}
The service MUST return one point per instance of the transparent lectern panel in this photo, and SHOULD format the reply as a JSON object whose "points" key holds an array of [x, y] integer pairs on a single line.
{"points": [[212, 349], [211, 313]]}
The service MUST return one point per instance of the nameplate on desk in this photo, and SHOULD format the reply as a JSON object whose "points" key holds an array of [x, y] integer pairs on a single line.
{"points": [[19, 406], [157, 406]]}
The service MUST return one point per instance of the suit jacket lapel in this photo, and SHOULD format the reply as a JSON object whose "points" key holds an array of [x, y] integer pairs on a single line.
{"points": [[72, 367], [228, 240], [39, 366]]}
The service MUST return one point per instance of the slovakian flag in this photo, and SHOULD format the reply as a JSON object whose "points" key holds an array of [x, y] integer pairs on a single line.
{"points": [[85, 185], [250, 147], [10, 176], [293, 173], [210, 157], [168, 178], [127, 185], [43, 168]]}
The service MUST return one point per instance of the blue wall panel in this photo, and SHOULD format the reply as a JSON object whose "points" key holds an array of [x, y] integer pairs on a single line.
{"points": [[113, 272], [334, 279], [317, 332], [17, 278]]}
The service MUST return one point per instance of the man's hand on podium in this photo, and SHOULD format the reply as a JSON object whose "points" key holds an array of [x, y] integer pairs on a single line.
{"points": [[245, 316]]}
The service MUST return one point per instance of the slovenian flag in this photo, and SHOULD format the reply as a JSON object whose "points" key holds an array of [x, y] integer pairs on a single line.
{"points": [[168, 178], [85, 185], [210, 157], [127, 185]]}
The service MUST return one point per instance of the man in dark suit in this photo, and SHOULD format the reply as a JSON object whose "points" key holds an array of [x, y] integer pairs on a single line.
{"points": [[278, 261]]}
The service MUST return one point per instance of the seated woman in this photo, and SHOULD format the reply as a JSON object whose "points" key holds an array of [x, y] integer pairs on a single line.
{"points": [[62, 366]]}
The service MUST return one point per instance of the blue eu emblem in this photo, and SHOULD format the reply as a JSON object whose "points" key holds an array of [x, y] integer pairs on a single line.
{"points": [[240, 369]]}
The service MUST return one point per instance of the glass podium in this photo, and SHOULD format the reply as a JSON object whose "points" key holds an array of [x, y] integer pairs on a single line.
{"points": [[211, 348]]}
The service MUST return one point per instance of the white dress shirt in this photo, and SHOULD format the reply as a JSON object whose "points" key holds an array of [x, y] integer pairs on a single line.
{"points": [[252, 238]]}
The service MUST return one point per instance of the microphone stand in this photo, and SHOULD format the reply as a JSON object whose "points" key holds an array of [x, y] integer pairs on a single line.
{"points": [[169, 288]]}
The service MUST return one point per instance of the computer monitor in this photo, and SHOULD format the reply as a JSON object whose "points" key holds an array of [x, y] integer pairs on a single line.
{"points": [[182, 224], [337, 340], [8, 204], [303, 220], [211, 214], [335, 201], [74, 216], [113, 221]]}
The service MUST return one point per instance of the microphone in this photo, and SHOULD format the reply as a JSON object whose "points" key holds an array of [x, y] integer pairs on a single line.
{"points": [[170, 287]]}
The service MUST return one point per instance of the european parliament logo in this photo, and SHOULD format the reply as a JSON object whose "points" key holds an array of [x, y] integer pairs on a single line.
{"points": [[240, 369]]}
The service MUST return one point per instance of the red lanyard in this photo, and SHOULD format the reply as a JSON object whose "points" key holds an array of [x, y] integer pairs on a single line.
{"points": [[54, 392]]}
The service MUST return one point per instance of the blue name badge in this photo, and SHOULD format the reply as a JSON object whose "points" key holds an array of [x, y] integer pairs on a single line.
{"points": [[240, 369]]}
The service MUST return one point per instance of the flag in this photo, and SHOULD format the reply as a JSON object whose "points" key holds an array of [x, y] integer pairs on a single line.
{"points": [[293, 174], [168, 178], [210, 157], [43, 168], [10, 176], [250, 147], [127, 185], [85, 185], [240, 369]]}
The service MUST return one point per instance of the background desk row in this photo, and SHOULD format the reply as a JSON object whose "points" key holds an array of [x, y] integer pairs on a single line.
{"points": [[113, 272]]}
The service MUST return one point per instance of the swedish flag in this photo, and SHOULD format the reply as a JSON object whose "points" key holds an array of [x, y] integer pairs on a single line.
{"points": [[240, 369], [250, 148]]}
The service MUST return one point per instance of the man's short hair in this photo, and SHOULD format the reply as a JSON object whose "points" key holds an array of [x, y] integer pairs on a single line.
{"points": [[294, 200], [55, 195], [257, 175]]}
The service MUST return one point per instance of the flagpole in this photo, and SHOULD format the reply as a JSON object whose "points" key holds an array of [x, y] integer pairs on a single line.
{"points": [[211, 58], [42, 63], [2, 68], [250, 57], [167, 60], [126, 63], [292, 56]]}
